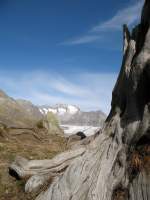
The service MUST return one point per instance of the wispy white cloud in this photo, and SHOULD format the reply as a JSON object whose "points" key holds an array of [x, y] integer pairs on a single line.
{"points": [[67, 87], [129, 15], [82, 40], [88, 91]]}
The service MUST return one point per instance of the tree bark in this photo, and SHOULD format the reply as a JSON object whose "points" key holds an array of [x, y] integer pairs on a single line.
{"points": [[110, 166]]}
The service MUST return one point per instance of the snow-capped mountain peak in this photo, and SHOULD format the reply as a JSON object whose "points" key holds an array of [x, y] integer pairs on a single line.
{"points": [[59, 109]]}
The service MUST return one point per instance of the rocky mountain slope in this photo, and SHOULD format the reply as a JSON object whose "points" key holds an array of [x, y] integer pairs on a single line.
{"points": [[22, 118], [92, 118], [32, 110], [17, 112], [72, 115]]}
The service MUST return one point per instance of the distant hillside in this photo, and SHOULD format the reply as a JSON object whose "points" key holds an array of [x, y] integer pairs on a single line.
{"points": [[93, 118], [22, 113], [17, 112], [72, 115], [32, 110]]}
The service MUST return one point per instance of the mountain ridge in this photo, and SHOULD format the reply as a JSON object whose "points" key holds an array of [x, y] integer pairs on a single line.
{"points": [[20, 112], [76, 116], [15, 113]]}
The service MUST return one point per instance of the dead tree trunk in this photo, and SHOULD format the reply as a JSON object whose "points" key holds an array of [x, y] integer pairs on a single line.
{"points": [[115, 165]]}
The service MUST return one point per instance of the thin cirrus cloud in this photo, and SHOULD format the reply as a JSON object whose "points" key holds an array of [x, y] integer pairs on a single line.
{"points": [[48, 88], [82, 40], [128, 16]]}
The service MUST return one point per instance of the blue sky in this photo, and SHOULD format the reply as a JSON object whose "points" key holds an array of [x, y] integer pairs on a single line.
{"points": [[63, 51]]}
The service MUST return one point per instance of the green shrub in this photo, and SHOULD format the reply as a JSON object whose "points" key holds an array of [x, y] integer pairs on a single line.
{"points": [[40, 124], [52, 119]]}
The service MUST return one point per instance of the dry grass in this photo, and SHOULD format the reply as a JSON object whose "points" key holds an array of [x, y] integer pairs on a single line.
{"points": [[120, 194], [140, 159], [10, 189], [136, 161]]}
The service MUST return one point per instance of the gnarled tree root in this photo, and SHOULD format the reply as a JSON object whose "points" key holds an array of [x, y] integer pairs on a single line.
{"points": [[40, 171]]}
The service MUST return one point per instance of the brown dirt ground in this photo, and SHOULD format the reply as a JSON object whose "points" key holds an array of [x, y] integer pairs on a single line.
{"points": [[10, 188]]}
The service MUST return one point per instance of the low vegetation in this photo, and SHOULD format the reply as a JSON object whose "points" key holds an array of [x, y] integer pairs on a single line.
{"points": [[140, 158], [10, 189], [53, 123]]}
